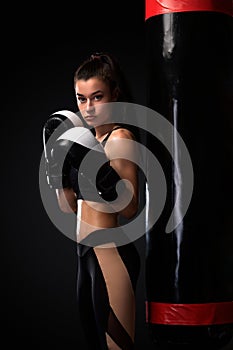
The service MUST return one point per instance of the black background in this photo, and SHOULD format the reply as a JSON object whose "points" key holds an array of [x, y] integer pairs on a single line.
{"points": [[42, 45]]}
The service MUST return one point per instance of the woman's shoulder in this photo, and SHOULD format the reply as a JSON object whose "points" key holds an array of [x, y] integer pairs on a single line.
{"points": [[122, 132], [120, 142]]}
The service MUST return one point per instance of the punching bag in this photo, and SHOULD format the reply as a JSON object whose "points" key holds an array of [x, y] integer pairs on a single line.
{"points": [[189, 271]]}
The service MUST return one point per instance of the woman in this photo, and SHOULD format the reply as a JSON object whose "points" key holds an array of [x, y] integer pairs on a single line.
{"points": [[107, 273]]}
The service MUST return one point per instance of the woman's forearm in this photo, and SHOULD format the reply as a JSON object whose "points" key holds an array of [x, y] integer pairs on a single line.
{"points": [[67, 200]]}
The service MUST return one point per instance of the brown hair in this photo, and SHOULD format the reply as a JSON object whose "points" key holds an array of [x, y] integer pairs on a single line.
{"points": [[106, 67]]}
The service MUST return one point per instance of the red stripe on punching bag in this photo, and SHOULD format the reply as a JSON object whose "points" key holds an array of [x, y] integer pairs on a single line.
{"points": [[189, 314], [157, 7]]}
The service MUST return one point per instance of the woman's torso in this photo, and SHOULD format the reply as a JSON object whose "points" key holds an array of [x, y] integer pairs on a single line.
{"points": [[93, 215]]}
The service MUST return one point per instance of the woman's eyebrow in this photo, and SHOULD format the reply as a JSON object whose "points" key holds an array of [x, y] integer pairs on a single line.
{"points": [[93, 93]]}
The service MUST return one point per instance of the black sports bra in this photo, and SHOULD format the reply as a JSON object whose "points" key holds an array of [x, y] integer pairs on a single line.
{"points": [[109, 133], [89, 195]]}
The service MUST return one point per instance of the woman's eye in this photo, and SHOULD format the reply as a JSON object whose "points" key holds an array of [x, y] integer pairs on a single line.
{"points": [[98, 97], [81, 99]]}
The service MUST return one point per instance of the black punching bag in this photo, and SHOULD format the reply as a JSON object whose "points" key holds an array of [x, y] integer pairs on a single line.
{"points": [[189, 271]]}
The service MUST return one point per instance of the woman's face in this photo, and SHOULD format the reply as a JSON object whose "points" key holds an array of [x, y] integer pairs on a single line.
{"points": [[92, 95]]}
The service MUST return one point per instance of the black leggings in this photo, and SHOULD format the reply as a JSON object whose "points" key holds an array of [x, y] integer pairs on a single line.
{"points": [[96, 313]]}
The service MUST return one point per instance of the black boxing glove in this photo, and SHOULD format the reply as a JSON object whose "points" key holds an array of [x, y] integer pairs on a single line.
{"points": [[96, 177], [56, 165], [106, 182]]}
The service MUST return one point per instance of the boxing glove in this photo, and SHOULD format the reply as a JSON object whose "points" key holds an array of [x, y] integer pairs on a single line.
{"points": [[56, 165], [96, 178], [106, 181]]}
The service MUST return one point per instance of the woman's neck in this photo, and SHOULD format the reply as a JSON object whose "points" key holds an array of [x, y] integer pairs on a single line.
{"points": [[102, 130]]}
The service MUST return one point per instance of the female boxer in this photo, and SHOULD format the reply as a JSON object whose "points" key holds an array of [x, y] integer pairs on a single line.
{"points": [[107, 272]]}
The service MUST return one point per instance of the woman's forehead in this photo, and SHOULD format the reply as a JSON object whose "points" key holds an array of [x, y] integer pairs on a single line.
{"points": [[90, 86]]}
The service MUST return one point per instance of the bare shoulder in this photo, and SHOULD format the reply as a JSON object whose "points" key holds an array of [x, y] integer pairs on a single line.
{"points": [[121, 144], [122, 133]]}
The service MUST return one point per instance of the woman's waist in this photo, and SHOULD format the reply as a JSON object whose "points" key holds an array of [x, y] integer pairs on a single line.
{"points": [[96, 214], [90, 219]]}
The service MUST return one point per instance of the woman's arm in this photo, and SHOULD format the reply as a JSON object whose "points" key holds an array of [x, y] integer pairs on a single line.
{"points": [[67, 200], [122, 150], [128, 170]]}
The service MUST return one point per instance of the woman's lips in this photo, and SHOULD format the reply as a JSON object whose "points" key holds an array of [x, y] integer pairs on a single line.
{"points": [[90, 117]]}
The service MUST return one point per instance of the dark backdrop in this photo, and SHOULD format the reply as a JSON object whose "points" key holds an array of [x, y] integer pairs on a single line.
{"points": [[41, 47]]}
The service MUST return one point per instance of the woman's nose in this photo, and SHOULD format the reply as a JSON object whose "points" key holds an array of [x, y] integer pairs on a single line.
{"points": [[89, 105]]}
